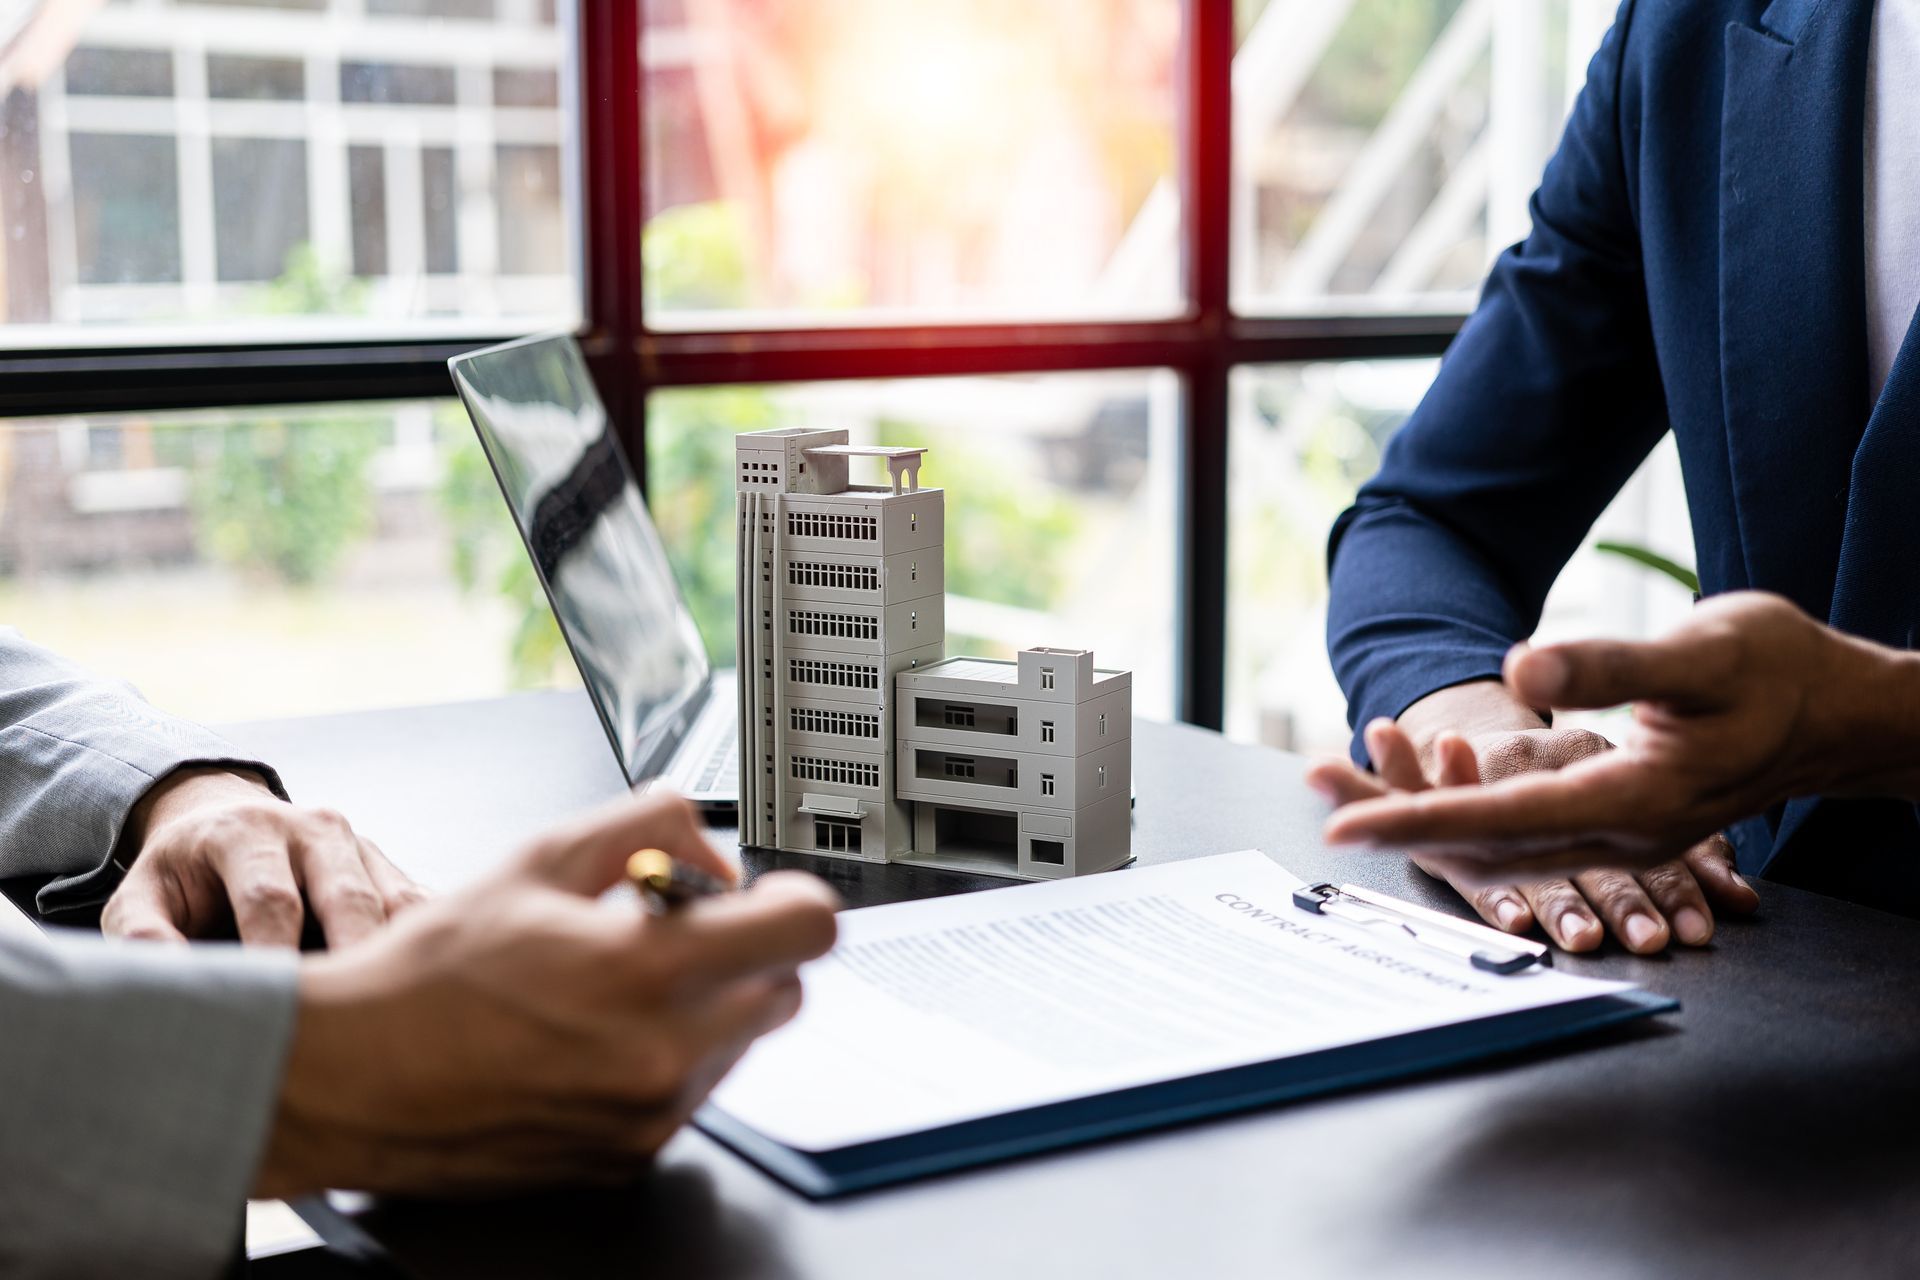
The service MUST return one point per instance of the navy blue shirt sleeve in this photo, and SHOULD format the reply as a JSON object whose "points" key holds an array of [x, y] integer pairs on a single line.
{"points": [[1545, 404]]}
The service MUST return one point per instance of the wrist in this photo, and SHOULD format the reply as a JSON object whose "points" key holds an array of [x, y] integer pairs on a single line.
{"points": [[1866, 731], [308, 1149], [186, 789], [1473, 709]]}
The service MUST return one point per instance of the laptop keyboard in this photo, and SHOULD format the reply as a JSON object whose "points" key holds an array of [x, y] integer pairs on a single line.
{"points": [[721, 771]]}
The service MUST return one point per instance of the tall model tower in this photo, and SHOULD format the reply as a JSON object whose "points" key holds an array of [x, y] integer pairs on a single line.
{"points": [[841, 587]]}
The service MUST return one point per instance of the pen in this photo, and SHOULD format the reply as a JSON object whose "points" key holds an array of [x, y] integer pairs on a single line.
{"points": [[668, 885]]}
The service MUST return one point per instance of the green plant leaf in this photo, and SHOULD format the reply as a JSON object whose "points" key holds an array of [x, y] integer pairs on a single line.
{"points": [[1653, 560]]}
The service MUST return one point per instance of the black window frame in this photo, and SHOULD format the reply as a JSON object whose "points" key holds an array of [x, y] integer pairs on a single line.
{"points": [[1202, 345]]}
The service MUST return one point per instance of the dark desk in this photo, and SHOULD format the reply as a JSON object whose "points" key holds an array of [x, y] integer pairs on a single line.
{"points": [[1771, 1128]]}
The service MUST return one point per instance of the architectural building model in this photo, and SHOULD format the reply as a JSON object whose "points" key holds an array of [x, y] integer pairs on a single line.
{"points": [[858, 737]]}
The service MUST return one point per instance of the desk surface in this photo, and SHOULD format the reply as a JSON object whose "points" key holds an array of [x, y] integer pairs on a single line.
{"points": [[1771, 1128]]}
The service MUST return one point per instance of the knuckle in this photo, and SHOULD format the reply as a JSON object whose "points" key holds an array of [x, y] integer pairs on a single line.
{"points": [[327, 819], [1552, 898], [1516, 753], [1568, 745], [270, 898], [353, 898], [1667, 880], [405, 896], [1613, 892]]}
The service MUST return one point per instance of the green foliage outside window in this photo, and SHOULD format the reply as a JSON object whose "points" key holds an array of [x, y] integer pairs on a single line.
{"points": [[1007, 541], [488, 555], [288, 495]]}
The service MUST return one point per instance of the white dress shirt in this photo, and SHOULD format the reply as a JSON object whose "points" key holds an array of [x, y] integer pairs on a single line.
{"points": [[1893, 182]]}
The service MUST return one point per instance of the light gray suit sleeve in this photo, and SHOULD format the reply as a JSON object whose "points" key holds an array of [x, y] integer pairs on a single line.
{"points": [[76, 754], [137, 1087]]}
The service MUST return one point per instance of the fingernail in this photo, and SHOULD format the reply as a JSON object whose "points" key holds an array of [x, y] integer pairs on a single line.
{"points": [[1573, 926], [1739, 880], [1693, 927], [1641, 931], [1508, 913]]}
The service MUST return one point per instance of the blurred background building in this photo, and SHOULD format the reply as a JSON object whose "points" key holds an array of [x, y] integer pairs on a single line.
{"points": [[299, 170]]}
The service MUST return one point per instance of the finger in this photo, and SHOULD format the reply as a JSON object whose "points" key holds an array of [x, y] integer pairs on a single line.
{"points": [[1394, 758], [1628, 911], [1593, 795], [339, 887], [1711, 862], [265, 898], [1500, 905], [145, 907], [1458, 766], [785, 920], [1606, 673], [1565, 913], [1677, 894], [395, 888], [722, 1028], [589, 855], [1341, 783]]}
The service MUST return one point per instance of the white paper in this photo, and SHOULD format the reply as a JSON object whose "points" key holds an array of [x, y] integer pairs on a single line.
{"points": [[932, 1012]]}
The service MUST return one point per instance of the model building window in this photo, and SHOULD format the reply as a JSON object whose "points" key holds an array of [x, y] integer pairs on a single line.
{"points": [[836, 835], [1046, 784], [1051, 852], [1103, 724], [1046, 731], [1046, 677], [959, 766], [958, 717], [1101, 773]]}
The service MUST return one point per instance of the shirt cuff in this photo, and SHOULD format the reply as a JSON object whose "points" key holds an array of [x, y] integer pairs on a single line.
{"points": [[1390, 682], [140, 1082], [125, 788]]}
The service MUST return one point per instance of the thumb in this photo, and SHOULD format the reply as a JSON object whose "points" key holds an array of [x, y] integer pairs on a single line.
{"points": [[1607, 673], [589, 855]]}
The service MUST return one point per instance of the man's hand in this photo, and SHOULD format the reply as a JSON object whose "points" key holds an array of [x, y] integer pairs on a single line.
{"points": [[1749, 703], [1469, 734], [212, 848], [522, 1033]]}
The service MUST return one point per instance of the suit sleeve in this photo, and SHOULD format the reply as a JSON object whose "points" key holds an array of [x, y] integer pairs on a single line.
{"points": [[137, 1089], [76, 754], [1545, 403]]}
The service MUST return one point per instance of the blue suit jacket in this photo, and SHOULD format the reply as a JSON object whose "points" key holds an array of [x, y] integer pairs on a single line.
{"points": [[1697, 263]]}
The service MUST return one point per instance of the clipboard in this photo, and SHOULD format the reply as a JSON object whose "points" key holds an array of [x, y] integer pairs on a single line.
{"points": [[1486, 949], [865, 1166]]}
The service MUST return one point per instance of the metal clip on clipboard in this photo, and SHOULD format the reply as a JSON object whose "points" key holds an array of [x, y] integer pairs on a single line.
{"points": [[1478, 945]]}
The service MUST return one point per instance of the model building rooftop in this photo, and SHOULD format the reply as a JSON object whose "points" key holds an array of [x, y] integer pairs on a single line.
{"points": [[1062, 675]]}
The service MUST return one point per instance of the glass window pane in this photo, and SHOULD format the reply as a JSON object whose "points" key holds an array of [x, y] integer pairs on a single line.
{"points": [[1302, 439], [943, 159], [1385, 149], [259, 206], [131, 73], [441, 197], [273, 562], [177, 170], [126, 220], [396, 82], [531, 240], [1059, 508], [234, 76], [367, 194]]}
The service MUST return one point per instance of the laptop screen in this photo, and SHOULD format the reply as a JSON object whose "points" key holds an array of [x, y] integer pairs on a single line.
{"points": [[592, 541]]}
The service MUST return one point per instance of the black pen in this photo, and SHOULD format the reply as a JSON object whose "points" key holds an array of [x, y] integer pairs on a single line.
{"points": [[667, 885]]}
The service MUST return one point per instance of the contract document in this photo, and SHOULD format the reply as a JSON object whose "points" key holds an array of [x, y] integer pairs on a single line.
{"points": [[931, 1014]]}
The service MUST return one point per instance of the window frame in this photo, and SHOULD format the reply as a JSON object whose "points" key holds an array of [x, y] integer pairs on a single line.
{"points": [[1202, 345]]}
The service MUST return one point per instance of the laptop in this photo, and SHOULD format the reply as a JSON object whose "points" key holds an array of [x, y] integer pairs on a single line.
{"points": [[669, 716]]}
